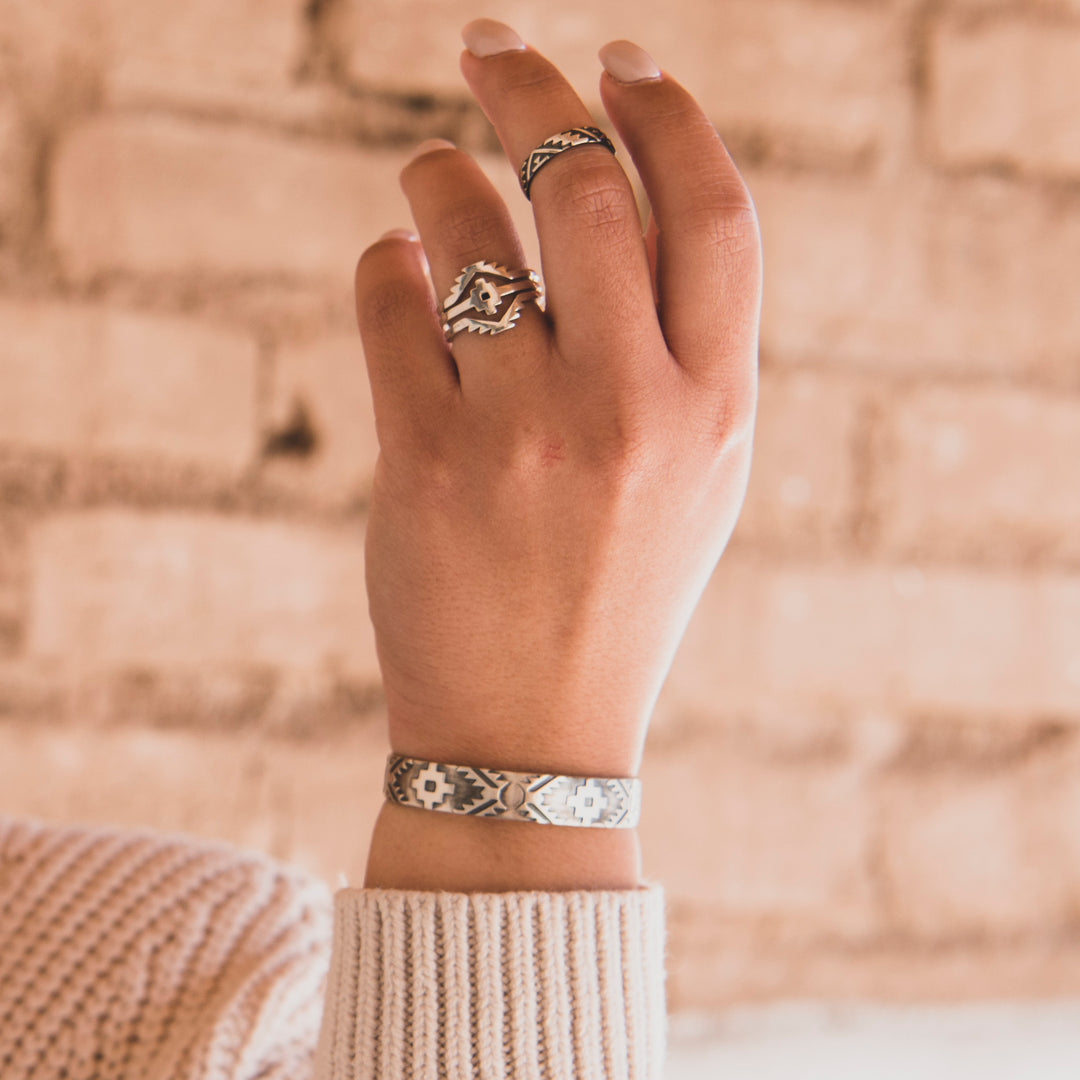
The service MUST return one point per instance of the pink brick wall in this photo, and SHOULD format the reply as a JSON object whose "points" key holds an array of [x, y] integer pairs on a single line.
{"points": [[864, 773]]}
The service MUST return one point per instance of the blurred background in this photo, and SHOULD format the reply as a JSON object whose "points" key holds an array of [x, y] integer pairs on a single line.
{"points": [[863, 779]]}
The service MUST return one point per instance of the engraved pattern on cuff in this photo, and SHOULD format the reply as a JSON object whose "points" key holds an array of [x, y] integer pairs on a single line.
{"points": [[555, 145], [543, 798]]}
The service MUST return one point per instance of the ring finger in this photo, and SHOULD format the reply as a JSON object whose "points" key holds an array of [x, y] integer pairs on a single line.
{"points": [[462, 220]]}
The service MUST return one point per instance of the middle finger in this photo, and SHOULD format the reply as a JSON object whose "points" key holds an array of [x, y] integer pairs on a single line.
{"points": [[596, 267]]}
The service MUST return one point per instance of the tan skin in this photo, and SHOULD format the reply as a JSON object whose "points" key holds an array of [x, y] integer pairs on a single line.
{"points": [[549, 502]]}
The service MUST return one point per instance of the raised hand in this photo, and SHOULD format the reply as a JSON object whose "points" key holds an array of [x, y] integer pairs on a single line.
{"points": [[549, 501]]}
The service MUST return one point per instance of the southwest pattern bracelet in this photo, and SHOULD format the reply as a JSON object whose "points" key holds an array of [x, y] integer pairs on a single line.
{"points": [[542, 798]]}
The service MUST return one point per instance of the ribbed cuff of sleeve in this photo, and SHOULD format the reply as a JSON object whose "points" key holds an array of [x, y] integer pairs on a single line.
{"points": [[486, 986]]}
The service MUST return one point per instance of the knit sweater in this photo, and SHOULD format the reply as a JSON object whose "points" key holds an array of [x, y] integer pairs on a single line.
{"points": [[130, 955]]}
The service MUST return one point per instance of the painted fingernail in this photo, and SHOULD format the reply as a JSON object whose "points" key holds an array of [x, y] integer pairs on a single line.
{"points": [[487, 37], [628, 63], [399, 234], [431, 144]]}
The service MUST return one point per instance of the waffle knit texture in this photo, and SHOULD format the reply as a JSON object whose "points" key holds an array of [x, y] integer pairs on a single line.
{"points": [[130, 955]]}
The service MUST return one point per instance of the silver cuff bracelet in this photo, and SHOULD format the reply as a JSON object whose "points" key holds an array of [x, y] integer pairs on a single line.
{"points": [[584, 801]]}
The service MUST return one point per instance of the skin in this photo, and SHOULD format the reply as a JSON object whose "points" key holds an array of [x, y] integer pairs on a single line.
{"points": [[549, 503]]}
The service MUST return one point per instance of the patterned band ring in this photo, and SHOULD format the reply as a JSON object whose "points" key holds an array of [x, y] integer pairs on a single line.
{"points": [[487, 299], [549, 148], [585, 801]]}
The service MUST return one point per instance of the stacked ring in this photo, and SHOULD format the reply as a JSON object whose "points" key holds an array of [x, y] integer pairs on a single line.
{"points": [[487, 299], [552, 147]]}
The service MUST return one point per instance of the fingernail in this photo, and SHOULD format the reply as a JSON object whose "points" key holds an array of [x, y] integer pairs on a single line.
{"points": [[628, 63], [399, 234], [487, 37], [431, 144]]}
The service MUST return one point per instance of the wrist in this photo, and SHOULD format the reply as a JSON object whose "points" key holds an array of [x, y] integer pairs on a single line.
{"points": [[561, 731], [423, 850], [527, 747]]}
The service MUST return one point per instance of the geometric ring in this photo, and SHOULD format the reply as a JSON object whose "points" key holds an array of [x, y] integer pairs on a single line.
{"points": [[487, 298], [552, 147]]}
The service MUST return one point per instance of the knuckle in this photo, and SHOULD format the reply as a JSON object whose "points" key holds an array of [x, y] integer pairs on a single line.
{"points": [[735, 231], [385, 306], [436, 473], [730, 425], [467, 226], [728, 223], [535, 82], [414, 457], [627, 451], [597, 199], [737, 413]]}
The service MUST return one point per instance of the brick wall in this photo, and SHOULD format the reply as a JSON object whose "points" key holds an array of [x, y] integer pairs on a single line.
{"points": [[864, 773]]}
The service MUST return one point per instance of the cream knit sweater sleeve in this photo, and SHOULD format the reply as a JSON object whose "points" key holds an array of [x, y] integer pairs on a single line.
{"points": [[130, 955]]}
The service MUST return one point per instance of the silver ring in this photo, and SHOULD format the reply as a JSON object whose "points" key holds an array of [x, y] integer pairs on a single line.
{"points": [[549, 148], [487, 299], [542, 798]]}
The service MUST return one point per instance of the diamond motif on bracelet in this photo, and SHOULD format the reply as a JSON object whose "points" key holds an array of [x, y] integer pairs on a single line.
{"points": [[430, 788], [588, 802]]}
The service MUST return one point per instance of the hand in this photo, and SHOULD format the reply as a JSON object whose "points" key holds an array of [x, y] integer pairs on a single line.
{"points": [[549, 502]]}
